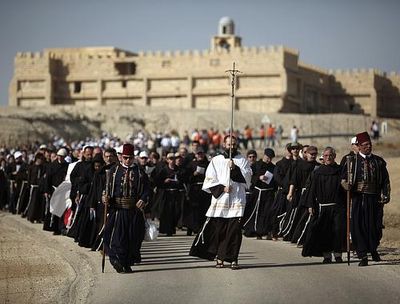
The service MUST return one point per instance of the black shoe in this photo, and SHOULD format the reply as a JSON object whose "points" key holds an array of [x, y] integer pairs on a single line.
{"points": [[363, 262], [327, 261], [128, 269], [338, 259], [57, 233], [117, 265], [375, 256]]}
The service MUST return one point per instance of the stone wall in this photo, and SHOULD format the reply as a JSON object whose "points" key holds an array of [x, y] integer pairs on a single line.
{"points": [[272, 80]]}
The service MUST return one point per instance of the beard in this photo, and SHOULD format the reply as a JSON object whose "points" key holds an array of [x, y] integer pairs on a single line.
{"points": [[234, 151]]}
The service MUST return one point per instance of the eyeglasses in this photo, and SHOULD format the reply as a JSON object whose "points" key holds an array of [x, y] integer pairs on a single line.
{"points": [[127, 157]]}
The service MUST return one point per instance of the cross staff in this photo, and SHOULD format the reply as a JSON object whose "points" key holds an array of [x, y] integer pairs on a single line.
{"points": [[233, 73]]}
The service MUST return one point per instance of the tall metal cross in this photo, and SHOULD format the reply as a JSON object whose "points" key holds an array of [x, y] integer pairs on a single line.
{"points": [[233, 74]]}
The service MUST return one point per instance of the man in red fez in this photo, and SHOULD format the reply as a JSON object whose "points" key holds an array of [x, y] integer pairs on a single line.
{"points": [[127, 200], [128, 150], [370, 190]]}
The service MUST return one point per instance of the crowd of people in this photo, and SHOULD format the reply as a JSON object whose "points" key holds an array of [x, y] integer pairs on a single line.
{"points": [[201, 184]]}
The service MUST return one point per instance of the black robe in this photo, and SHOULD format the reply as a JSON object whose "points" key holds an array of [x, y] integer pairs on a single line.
{"points": [[169, 199], [80, 177], [301, 182], [4, 189], [35, 208], [260, 204], [326, 231], [55, 175], [199, 201], [95, 202], [280, 205]]}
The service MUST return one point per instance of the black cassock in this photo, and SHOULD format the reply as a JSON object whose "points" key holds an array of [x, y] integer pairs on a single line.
{"points": [[326, 231], [261, 202], [55, 175], [35, 208], [300, 172], [94, 201], [87, 221], [169, 199], [80, 185], [280, 205], [199, 200]]}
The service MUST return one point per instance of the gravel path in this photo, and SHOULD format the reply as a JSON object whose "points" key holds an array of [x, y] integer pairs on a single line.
{"points": [[38, 267]]}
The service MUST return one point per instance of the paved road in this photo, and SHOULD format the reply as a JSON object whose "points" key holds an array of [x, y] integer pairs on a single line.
{"points": [[272, 272], [37, 267]]}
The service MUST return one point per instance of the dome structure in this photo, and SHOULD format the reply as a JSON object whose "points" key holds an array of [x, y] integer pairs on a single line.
{"points": [[226, 26]]}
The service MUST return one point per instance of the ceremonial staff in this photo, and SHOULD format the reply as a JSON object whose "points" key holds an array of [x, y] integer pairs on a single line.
{"points": [[349, 180], [107, 194], [233, 73]]}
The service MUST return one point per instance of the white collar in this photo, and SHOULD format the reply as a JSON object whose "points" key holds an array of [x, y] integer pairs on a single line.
{"points": [[364, 156], [126, 167]]}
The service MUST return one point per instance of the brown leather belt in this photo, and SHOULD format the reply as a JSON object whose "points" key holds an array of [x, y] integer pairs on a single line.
{"points": [[366, 187], [124, 203]]}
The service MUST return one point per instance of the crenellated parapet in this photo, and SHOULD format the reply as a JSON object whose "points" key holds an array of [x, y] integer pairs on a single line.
{"points": [[273, 79], [241, 51], [356, 72]]}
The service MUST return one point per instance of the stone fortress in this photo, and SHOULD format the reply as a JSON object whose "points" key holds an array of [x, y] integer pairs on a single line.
{"points": [[273, 80]]}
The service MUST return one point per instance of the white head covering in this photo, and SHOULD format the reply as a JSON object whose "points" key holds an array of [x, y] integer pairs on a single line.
{"points": [[17, 154], [62, 152], [119, 149], [143, 154]]}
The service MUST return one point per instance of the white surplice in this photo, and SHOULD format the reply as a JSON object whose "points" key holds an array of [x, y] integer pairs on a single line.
{"points": [[232, 204]]}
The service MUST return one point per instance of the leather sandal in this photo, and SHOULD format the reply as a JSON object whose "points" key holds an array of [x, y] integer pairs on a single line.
{"points": [[235, 266], [220, 264]]}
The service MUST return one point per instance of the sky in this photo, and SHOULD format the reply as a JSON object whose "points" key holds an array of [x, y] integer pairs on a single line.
{"points": [[340, 34]]}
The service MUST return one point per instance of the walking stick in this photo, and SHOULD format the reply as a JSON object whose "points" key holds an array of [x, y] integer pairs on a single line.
{"points": [[349, 179], [107, 194]]}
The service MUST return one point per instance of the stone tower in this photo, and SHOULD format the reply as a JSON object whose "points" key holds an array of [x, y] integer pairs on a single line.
{"points": [[226, 38]]}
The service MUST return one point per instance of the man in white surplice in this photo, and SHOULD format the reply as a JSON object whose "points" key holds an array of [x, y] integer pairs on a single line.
{"points": [[226, 179]]}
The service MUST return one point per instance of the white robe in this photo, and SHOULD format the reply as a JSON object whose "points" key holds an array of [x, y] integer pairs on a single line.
{"points": [[232, 204]]}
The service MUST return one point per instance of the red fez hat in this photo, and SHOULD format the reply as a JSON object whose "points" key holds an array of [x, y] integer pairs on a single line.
{"points": [[128, 149], [363, 137]]}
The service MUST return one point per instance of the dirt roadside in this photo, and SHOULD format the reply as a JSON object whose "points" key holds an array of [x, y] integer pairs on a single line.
{"points": [[38, 267]]}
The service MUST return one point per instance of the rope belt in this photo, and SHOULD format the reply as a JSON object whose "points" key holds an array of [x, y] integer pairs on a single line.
{"points": [[256, 207], [171, 189], [325, 205], [201, 233]]}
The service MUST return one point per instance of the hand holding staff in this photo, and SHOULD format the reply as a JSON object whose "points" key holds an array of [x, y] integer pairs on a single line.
{"points": [[349, 180], [105, 199]]}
